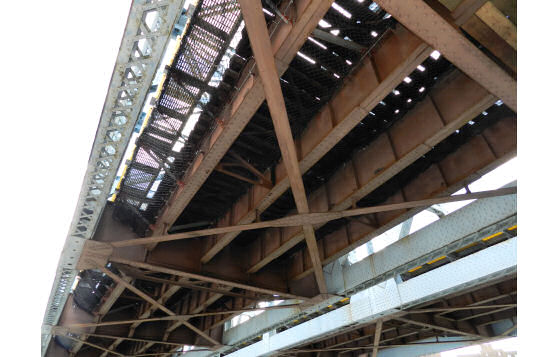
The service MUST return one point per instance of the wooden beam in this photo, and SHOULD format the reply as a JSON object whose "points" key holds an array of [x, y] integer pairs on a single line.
{"points": [[378, 331], [159, 269], [153, 302], [312, 218], [433, 29], [262, 50], [496, 20]]}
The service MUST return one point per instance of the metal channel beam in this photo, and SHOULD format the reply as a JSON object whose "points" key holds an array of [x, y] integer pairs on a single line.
{"points": [[386, 299], [426, 23], [396, 58], [260, 44], [448, 234], [478, 156], [141, 50], [312, 219], [287, 39], [431, 121], [470, 224], [149, 310], [106, 306]]}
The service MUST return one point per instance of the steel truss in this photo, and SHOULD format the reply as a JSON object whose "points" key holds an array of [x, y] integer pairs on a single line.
{"points": [[147, 31]]}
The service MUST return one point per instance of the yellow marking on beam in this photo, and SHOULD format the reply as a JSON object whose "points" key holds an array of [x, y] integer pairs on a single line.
{"points": [[492, 236], [436, 260], [512, 228], [417, 268], [467, 246], [344, 299]]}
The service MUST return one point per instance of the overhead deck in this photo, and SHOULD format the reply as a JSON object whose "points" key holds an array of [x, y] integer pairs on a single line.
{"points": [[270, 117]]}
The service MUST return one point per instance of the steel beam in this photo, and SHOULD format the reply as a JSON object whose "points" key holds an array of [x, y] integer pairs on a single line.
{"points": [[378, 331], [287, 39], [496, 20], [469, 301], [451, 232], [184, 274], [106, 306], [315, 218], [107, 152], [388, 298], [396, 58], [469, 224], [155, 303], [148, 311], [482, 153], [418, 17], [436, 117]]}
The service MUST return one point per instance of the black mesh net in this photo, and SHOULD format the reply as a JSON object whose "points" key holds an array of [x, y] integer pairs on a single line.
{"points": [[345, 35], [191, 92]]}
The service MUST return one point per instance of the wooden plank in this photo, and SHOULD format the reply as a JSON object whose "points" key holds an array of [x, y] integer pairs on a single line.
{"points": [[433, 29], [496, 20], [307, 218], [153, 302]]}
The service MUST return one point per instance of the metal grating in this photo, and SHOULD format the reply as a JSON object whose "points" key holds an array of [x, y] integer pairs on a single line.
{"points": [[147, 30], [164, 150], [330, 54]]}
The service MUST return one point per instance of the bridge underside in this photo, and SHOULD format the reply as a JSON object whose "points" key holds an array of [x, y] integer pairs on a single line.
{"points": [[285, 139]]}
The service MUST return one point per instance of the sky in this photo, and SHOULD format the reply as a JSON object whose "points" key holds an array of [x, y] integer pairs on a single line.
{"points": [[54, 82]]}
